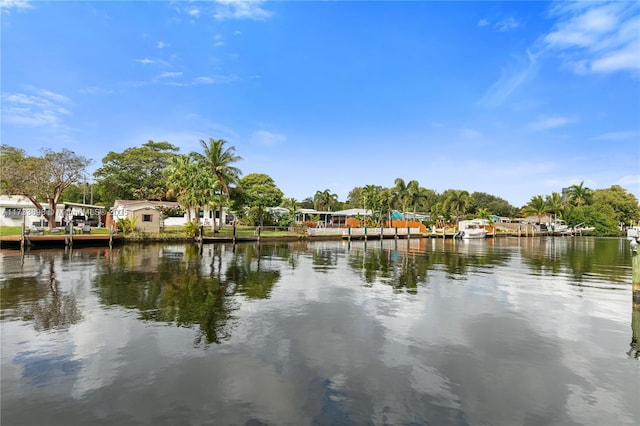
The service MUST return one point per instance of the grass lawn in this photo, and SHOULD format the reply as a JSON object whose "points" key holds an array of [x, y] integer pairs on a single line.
{"points": [[17, 230]]}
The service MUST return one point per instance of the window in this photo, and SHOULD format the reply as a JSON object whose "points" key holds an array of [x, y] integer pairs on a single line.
{"points": [[146, 218]]}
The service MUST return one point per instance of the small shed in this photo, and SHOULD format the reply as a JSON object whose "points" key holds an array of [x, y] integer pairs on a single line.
{"points": [[146, 217]]}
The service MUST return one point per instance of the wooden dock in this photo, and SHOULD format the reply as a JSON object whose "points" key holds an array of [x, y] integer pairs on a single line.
{"points": [[60, 240]]}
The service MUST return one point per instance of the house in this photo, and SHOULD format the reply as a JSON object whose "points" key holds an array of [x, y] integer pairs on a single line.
{"points": [[18, 209], [149, 217], [146, 214]]}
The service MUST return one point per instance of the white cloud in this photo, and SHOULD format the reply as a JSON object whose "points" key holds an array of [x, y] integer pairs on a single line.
{"points": [[169, 74], [264, 137], [510, 80], [194, 11], [7, 5], [596, 37], [162, 45], [39, 108], [145, 61], [483, 22], [617, 136], [506, 24], [240, 9], [202, 80], [470, 133], [546, 123]]}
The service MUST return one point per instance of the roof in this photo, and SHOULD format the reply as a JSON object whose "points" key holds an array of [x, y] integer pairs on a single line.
{"points": [[133, 203]]}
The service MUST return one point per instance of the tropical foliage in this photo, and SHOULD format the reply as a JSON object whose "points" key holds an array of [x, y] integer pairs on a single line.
{"points": [[40, 178]]}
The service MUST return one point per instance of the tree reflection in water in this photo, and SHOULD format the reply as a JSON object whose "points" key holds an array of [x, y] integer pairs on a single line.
{"points": [[404, 267], [187, 289], [39, 300]]}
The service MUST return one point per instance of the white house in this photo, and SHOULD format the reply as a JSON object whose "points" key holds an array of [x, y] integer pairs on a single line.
{"points": [[15, 208], [146, 211]]}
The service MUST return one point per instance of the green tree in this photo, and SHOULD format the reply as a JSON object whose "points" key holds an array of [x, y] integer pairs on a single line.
{"points": [[601, 217], [260, 191], [291, 204], [495, 205], [555, 204], [41, 179], [323, 200], [136, 173], [219, 160], [456, 202], [537, 206], [624, 204], [193, 186], [579, 194]]}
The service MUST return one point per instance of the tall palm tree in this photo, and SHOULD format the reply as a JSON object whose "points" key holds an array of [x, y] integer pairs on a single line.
{"points": [[457, 202], [537, 206], [405, 192], [386, 199], [579, 194], [555, 204], [195, 187], [324, 199], [218, 159], [418, 195]]}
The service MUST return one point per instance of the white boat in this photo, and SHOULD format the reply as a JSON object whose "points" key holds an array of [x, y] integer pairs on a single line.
{"points": [[558, 226], [472, 229]]}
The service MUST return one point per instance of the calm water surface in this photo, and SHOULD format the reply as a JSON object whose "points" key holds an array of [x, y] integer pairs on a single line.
{"points": [[498, 332]]}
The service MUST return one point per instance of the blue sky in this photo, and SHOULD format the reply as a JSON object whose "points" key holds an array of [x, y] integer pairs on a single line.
{"points": [[514, 99]]}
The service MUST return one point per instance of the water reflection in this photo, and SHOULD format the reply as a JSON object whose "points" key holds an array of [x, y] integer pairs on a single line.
{"points": [[177, 285], [38, 299], [392, 332], [580, 259]]}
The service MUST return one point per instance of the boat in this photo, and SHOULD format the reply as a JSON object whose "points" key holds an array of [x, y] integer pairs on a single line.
{"points": [[471, 229], [558, 226]]}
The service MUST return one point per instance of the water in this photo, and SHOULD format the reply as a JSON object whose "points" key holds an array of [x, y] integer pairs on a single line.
{"points": [[497, 332]]}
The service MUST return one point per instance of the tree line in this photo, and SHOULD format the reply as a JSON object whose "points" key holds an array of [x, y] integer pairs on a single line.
{"points": [[210, 178]]}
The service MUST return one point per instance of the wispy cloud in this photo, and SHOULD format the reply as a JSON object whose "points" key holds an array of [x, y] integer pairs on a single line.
{"points": [[547, 123], [266, 138], [193, 11], [162, 45], [205, 80], [170, 74], [7, 5], [147, 61], [618, 136], [470, 133], [483, 22], [240, 9], [594, 37], [38, 108], [512, 78], [506, 24]]}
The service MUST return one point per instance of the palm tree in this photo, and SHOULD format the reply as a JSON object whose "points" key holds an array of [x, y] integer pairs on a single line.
{"points": [[417, 195], [555, 203], [386, 199], [580, 195], [291, 204], [218, 159], [195, 187], [324, 199], [405, 192], [457, 202], [536, 207]]}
